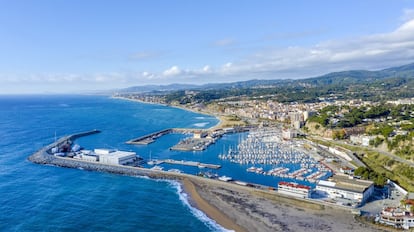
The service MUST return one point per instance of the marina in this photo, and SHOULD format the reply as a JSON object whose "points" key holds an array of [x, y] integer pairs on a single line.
{"points": [[270, 155]]}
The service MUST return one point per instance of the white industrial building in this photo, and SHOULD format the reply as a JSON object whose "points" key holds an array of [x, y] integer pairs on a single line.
{"points": [[342, 186], [115, 157], [86, 155]]}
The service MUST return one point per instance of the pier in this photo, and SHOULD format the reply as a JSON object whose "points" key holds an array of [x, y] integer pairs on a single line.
{"points": [[189, 163], [202, 138], [149, 138]]}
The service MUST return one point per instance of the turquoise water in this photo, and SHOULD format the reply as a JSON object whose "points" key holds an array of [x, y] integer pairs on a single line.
{"points": [[47, 198]]}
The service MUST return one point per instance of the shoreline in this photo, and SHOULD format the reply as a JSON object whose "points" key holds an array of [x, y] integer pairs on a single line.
{"points": [[240, 208], [218, 117], [233, 207], [212, 212]]}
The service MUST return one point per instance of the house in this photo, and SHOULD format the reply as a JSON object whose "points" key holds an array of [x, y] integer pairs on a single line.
{"points": [[397, 217]]}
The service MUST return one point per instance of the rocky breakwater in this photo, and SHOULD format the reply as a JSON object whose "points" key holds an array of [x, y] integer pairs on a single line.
{"points": [[45, 156]]}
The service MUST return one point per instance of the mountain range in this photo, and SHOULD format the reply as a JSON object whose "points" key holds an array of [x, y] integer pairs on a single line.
{"points": [[350, 77]]}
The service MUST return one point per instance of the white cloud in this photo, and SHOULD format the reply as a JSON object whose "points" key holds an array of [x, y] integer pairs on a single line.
{"points": [[367, 52], [370, 52], [173, 71], [206, 69], [147, 75]]}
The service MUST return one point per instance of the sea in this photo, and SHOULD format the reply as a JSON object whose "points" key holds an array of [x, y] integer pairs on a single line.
{"points": [[37, 197], [46, 198]]}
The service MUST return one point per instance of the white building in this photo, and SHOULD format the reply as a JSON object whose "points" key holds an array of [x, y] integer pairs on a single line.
{"points": [[294, 189], [86, 155], [361, 139], [92, 158], [397, 217], [288, 134], [200, 134], [114, 157], [342, 186]]}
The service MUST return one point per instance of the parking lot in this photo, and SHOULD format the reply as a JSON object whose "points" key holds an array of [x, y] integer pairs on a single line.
{"points": [[382, 197]]}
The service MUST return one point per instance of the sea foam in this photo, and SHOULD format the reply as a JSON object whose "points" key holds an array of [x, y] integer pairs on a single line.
{"points": [[183, 196], [200, 124]]}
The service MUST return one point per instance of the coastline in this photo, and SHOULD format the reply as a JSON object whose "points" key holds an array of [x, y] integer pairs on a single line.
{"points": [[218, 117], [212, 212], [234, 207], [242, 209]]}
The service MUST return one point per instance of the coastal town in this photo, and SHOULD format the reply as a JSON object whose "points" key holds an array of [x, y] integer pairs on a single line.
{"points": [[276, 146], [295, 120]]}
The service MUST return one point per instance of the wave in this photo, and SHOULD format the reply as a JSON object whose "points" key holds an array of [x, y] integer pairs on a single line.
{"points": [[143, 177], [200, 124], [183, 196], [200, 117]]}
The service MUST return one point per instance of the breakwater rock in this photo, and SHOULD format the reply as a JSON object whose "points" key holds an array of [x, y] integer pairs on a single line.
{"points": [[45, 156]]}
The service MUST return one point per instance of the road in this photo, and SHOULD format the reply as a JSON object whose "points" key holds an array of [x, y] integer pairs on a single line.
{"points": [[388, 154]]}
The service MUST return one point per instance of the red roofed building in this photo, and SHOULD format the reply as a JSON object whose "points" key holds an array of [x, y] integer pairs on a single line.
{"points": [[294, 189]]}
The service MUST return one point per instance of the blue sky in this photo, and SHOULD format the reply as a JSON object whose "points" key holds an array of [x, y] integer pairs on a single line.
{"points": [[72, 46]]}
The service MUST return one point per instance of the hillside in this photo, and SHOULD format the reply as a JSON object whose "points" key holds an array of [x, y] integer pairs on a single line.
{"points": [[390, 83], [335, 78]]}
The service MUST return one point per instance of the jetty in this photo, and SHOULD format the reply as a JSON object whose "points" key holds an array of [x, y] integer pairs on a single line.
{"points": [[152, 137], [44, 155], [149, 138], [189, 163]]}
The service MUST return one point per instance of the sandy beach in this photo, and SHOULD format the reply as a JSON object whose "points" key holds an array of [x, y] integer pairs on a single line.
{"points": [[223, 120], [241, 209]]}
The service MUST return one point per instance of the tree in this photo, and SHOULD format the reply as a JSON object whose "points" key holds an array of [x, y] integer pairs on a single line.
{"points": [[360, 171], [338, 134], [376, 142], [380, 180], [386, 131]]}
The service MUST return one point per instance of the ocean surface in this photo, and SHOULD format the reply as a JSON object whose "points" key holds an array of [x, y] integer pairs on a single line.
{"points": [[47, 198]]}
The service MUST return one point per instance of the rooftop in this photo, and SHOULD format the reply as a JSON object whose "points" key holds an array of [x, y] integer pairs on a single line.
{"points": [[344, 182], [294, 185], [113, 153]]}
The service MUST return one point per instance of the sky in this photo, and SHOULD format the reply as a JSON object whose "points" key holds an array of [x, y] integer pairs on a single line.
{"points": [[60, 46]]}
